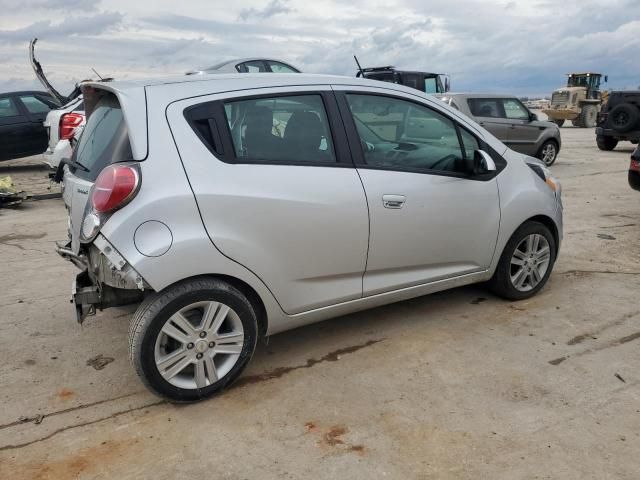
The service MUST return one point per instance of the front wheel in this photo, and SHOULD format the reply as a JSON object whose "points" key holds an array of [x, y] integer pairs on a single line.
{"points": [[589, 116], [193, 339], [526, 262], [548, 152]]}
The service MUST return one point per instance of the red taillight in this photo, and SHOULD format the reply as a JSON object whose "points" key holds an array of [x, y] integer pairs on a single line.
{"points": [[68, 123], [635, 165], [115, 186]]}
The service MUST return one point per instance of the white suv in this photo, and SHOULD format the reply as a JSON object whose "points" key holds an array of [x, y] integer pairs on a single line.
{"points": [[239, 206]]}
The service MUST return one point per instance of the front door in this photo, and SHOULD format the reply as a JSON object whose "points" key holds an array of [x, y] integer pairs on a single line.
{"points": [[15, 130], [430, 220], [277, 190], [523, 133], [36, 110]]}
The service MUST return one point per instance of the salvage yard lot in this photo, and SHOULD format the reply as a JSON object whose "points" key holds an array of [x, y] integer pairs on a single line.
{"points": [[458, 384]]}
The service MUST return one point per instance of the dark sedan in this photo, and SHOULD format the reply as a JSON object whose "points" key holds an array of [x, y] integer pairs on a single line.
{"points": [[21, 130]]}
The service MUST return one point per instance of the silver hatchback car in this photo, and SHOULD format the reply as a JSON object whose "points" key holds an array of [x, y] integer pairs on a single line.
{"points": [[510, 121], [238, 206]]}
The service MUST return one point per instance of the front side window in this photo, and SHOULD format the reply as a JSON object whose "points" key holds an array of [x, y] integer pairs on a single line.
{"points": [[34, 104], [400, 134], [290, 129], [430, 85], [515, 110], [8, 108], [484, 107]]}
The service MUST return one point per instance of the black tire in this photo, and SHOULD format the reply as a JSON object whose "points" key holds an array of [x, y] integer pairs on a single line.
{"points": [[559, 122], [588, 116], [623, 117], [501, 283], [606, 143], [577, 122], [151, 317], [548, 161]]}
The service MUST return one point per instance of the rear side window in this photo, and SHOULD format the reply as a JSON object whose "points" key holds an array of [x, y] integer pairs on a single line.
{"points": [[484, 107], [105, 139], [252, 67], [34, 104], [8, 108], [289, 129]]}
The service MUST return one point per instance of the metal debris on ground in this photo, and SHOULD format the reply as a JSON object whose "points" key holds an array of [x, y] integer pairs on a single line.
{"points": [[99, 362], [9, 195], [617, 375]]}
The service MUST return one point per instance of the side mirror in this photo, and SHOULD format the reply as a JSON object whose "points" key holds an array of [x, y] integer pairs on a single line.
{"points": [[533, 117], [483, 163]]}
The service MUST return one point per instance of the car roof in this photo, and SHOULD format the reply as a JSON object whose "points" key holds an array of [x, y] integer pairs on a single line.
{"points": [[476, 95], [222, 82]]}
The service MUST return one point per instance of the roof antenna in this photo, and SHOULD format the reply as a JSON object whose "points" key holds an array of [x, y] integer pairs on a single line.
{"points": [[360, 71], [94, 71]]}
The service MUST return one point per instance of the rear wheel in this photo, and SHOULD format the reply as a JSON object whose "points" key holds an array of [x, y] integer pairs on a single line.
{"points": [[606, 143], [526, 262], [193, 339], [548, 152], [558, 122], [589, 116]]}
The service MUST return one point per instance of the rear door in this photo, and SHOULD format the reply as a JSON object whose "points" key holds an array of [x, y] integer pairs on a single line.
{"points": [[489, 113], [36, 108], [277, 190], [15, 129]]}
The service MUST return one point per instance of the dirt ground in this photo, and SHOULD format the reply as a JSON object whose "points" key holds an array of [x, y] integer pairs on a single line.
{"points": [[459, 384], [30, 175]]}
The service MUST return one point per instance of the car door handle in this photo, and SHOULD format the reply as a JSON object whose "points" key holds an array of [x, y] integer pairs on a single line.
{"points": [[393, 201]]}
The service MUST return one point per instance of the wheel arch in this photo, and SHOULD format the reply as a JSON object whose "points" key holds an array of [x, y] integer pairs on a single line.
{"points": [[547, 222], [246, 289]]}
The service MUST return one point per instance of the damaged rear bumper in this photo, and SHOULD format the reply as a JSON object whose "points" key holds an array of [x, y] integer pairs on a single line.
{"points": [[101, 283]]}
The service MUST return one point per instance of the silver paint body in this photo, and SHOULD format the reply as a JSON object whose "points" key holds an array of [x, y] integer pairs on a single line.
{"points": [[313, 242]]}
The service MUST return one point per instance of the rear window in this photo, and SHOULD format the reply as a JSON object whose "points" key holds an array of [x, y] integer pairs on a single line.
{"points": [[104, 141]]}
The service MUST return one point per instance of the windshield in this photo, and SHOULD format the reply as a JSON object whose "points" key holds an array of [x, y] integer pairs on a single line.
{"points": [[104, 140]]}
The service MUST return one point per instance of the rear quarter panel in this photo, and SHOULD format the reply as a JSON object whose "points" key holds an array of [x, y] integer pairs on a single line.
{"points": [[166, 196]]}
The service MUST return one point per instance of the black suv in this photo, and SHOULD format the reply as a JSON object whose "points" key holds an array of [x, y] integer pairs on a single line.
{"points": [[426, 82], [619, 119]]}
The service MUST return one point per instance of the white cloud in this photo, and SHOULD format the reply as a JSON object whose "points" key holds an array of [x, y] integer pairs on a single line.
{"points": [[490, 45]]}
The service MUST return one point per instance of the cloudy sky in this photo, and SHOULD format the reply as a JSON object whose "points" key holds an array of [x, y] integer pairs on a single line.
{"points": [[523, 47]]}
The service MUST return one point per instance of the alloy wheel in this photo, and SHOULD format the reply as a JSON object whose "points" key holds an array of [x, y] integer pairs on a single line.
{"points": [[530, 262], [549, 153], [199, 345]]}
